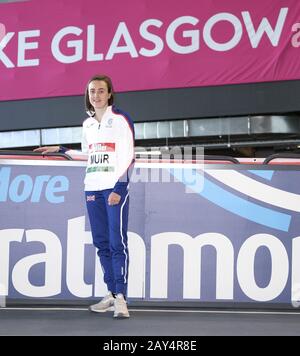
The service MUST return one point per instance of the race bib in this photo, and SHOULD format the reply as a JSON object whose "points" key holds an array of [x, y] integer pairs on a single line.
{"points": [[102, 157]]}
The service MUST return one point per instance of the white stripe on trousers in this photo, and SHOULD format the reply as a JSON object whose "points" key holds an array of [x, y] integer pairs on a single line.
{"points": [[121, 232]]}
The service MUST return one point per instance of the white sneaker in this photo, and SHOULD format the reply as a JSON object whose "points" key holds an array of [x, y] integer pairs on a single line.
{"points": [[106, 304], [120, 306]]}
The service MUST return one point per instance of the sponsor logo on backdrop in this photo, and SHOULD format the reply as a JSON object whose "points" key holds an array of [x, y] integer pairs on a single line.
{"points": [[54, 256], [227, 271], [23, 187]]}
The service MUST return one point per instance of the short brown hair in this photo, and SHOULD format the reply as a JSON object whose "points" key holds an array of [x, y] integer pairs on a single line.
{"points": [[88, 106]]}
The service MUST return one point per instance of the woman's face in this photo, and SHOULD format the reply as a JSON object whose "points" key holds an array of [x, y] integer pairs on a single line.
{"points": [[98, 94]]}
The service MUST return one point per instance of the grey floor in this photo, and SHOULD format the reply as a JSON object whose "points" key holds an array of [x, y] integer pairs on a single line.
{"points": [[79, 321]]}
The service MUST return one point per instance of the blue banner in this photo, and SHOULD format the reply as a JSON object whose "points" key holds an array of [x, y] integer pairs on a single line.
{"points": [[233, 238]]}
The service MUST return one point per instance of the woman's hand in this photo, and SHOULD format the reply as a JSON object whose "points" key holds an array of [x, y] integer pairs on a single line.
{"points": [[47, 149], [114, 198]]}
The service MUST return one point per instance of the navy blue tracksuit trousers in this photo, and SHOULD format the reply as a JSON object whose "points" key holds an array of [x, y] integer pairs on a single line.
{"points": [[109, 230]]}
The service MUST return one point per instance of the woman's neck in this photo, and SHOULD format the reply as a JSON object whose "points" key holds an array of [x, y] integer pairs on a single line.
{"points": [[99, 113]]}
